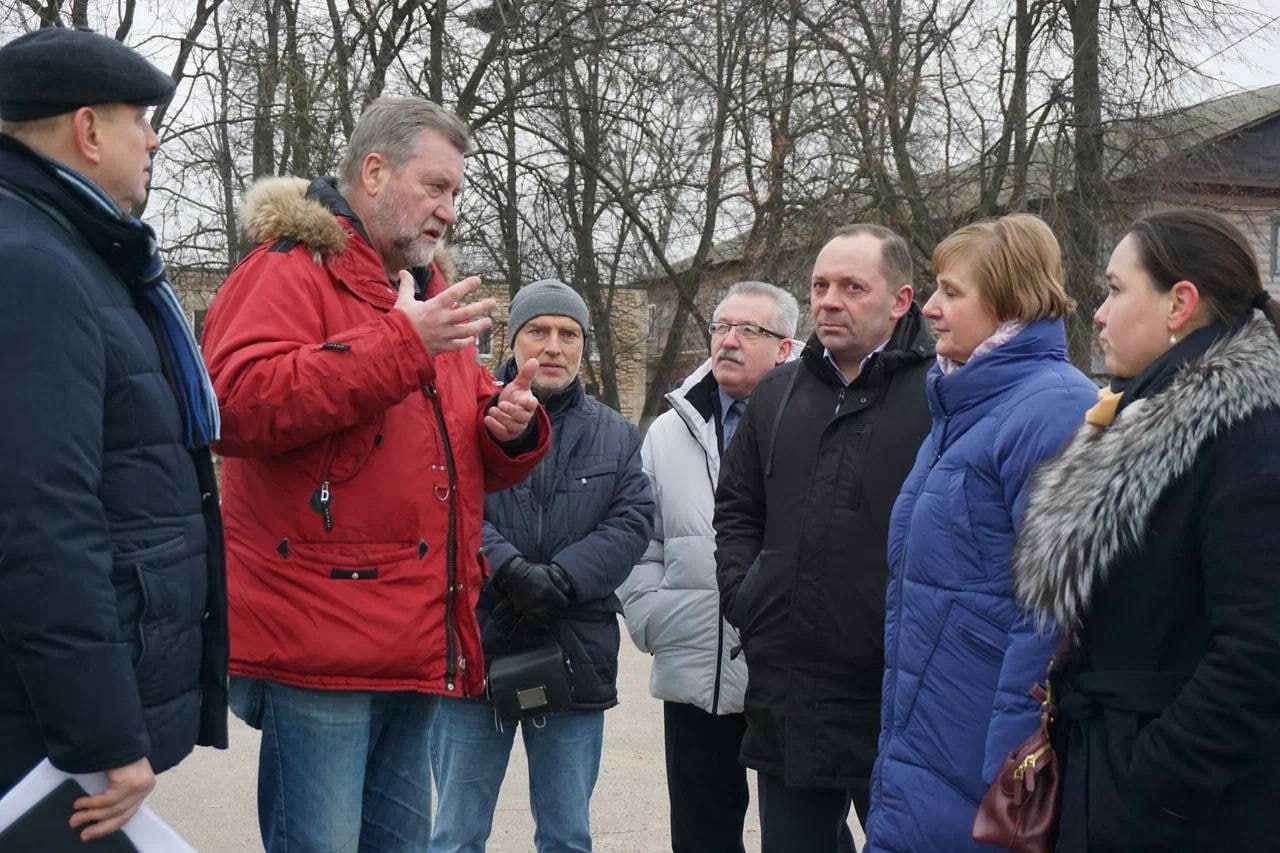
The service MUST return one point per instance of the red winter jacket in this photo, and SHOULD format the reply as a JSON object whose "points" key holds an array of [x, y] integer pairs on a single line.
{"points": [[351, 562]]}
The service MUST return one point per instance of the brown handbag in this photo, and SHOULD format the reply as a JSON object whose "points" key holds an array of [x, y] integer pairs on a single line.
{"points": [[1021, 810]]}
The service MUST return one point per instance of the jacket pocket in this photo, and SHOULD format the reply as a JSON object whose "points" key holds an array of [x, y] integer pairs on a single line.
{"points": [[851, 480], [591, 475], [368, 609], [763, 598], [1119, 816], [160, 592], [591, 486], [352, 450], [246, 698], [968, 563], [945, 725], [742, 598]]}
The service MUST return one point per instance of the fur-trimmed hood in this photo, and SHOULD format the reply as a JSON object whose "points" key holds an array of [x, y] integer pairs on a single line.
{"points": [[279, 209], [289, 208], [1092, 503]]}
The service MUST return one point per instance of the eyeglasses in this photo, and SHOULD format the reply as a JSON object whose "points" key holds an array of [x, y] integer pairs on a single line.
{"points": [[746, 331]]}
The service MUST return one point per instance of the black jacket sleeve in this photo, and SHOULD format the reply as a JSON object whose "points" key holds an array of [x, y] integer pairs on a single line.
{"points": [[58, 617], [740, 507]]}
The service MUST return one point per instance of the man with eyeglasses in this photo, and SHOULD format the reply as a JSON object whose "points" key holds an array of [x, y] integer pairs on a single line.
{"points": [[801, 520], [671, 601]]}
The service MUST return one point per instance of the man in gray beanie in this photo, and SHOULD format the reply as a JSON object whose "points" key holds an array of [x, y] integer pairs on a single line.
{"points": [[560, 543], [554, 301], [546, 296]]}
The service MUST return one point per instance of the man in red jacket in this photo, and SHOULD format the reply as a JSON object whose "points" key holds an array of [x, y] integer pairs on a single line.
{"points": [[360, 437]]}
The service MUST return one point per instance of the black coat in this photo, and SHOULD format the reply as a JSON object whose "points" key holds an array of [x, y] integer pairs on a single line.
{"points": [[801, 519], [588, 507], [112, 593], [1162, 531]]}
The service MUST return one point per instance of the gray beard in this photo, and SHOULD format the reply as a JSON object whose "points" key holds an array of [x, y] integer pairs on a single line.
{"points": [[415, 253]]}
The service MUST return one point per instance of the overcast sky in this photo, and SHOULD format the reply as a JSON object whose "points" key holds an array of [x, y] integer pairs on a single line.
{"points": [[1256, 60]]}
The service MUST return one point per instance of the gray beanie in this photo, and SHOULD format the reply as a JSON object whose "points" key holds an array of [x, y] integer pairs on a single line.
{"points": [[549, 296]]}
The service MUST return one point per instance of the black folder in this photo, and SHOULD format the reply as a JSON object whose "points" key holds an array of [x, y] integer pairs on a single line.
{"points": [[44, 827]]}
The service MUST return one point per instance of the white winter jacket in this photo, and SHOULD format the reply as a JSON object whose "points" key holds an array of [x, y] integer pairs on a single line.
{"points": [[671, 601]]}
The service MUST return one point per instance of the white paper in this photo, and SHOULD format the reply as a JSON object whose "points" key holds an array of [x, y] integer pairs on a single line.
{"points": [[145, 829]]}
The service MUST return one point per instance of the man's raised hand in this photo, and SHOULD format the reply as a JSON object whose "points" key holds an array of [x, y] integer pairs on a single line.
{"points": [[516, 406], [443, 324]]}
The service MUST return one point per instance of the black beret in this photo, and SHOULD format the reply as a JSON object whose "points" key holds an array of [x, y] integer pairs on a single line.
{"points": [[58, 70]]}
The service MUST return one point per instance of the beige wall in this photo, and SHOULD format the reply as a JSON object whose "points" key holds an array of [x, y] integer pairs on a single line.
{"points": [[1253, 213]]}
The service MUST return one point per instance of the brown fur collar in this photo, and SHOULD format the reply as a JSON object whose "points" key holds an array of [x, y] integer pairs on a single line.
{"points": [[278, 209]]}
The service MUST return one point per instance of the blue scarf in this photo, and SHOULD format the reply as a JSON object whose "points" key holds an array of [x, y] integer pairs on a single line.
{"points": [[128, 246]]}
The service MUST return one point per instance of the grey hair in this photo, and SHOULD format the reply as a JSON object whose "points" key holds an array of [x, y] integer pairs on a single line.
{"points": [[391, 127], [786, 311]]}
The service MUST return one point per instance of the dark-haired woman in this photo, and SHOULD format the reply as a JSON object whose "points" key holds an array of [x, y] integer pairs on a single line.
{"points": [[1157, 533]]}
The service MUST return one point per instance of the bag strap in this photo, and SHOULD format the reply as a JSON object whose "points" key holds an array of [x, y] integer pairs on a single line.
{"points": [[1044, 692]]}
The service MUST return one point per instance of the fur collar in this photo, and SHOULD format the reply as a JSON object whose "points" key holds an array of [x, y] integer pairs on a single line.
{"points": [[1093, 502], [280, 209]]}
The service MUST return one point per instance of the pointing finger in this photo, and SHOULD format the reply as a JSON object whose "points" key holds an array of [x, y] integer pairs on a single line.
{"points": [[524, 379]]}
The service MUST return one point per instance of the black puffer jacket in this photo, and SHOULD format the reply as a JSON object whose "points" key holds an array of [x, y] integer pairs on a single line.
{"points": [[588, 507], [112, 593], [802, 517]]}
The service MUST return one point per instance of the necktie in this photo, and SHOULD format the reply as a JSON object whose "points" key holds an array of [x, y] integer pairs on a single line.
{"points": [[731, 419]]}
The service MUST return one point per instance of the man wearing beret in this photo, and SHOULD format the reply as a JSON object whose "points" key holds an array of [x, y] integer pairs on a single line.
{"points": [[559, 543], [112, 595], [360, 435]]}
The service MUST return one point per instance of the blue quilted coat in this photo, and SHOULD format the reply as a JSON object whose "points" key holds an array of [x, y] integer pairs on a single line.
{"points": [[960, 656]]}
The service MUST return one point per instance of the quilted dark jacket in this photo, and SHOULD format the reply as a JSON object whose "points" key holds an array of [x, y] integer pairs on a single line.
{"points": [[112, 597], [588, 507]]}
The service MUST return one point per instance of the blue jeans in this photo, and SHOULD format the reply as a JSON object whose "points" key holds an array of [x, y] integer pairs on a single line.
{"points": [[339, 772], [469, 755]]}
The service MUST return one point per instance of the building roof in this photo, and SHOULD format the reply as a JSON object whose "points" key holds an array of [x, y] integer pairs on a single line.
{"points": [[1158, 146]]}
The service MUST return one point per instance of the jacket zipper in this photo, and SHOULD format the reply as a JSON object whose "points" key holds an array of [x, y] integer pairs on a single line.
{"points": [[451, 547], [715, 687], [321, 498], [715, 693]]}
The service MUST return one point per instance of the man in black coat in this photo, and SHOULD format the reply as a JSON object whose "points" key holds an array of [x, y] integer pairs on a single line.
{"points": [[112, 598], [802, 515]]}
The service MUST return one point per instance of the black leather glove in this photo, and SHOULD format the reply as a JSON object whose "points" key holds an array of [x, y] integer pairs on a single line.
{"points": [[539, 592]]}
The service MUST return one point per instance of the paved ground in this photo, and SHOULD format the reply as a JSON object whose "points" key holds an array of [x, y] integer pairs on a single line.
{"points": [[210, 798]]}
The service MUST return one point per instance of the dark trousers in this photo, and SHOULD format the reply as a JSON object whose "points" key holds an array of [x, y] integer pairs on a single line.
{"points": [[706, 784], [808, 820]]}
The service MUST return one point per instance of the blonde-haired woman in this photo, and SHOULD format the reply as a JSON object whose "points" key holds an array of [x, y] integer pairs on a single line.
{"points": [[959, 653], [1156, 535]]}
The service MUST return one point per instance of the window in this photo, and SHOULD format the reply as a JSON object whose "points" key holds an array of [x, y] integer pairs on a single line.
{"points": [[651, 321], [1275, 247]]}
